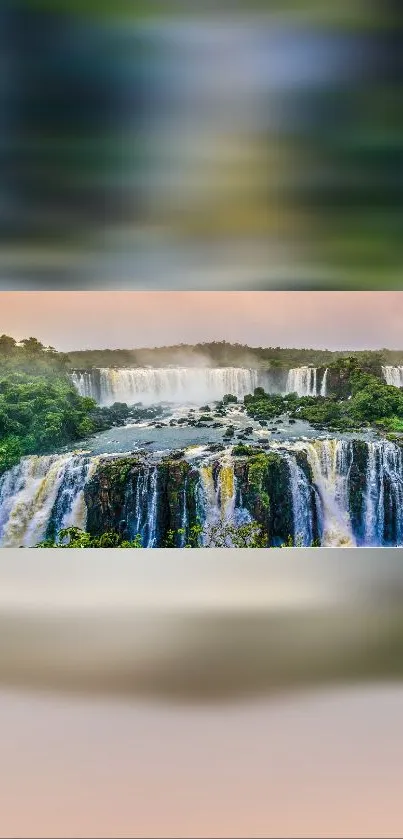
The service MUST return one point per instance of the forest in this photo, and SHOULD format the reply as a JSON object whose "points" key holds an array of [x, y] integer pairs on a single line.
{"points": [[40, 409], [222, 353]]}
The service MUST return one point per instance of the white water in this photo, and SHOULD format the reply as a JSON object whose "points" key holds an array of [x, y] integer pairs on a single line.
{"points": [[142, 515], [303, 381], [330, 461], [39, 489], [218, 496], [301, 504], [44, 494], [374, 496], [175, 384], [385, 465], [323, 387], [191, 384], [393, 375]]}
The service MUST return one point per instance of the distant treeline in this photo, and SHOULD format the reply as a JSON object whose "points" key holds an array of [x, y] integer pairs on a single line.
{"points": [[221, 353]]}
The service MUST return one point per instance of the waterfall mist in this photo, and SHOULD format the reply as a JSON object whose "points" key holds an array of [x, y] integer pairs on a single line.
{"points": [[193, 384]]}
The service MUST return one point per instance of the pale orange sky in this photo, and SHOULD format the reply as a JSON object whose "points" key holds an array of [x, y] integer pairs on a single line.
{"points": [[100, 319]]}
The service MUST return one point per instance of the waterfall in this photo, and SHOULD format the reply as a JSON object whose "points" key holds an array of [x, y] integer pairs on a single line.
{"points": [[218, 492], [373, 511], [209, 500], [168, 384], [384, 495], [87, 382], [330, 461], [323, 387], [191, 384], [141, 516], [393, 375], [301, 503], [184, 515], [152, 509], [69, 508], [393, 476], [217, 496], [227, 490], [352, 494], [42, 495], [382, 515], [303, 381]]}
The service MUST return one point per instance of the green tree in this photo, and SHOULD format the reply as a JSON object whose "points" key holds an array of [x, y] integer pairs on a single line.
{"points": [[32, 347], [7, 346], [74, 537]]}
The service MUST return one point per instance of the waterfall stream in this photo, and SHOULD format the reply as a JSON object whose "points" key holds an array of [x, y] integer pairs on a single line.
{"points": [[393, 375], [301, 503], [192, 384], [303, 381], [44, 494], [330, 461]]}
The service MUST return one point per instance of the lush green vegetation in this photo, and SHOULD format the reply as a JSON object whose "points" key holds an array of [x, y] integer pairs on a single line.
{"points": [[74, 537], [221, 535], [40, 409], [366, 401]]}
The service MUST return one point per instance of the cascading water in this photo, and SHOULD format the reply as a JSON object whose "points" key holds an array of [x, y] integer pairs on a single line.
{"points": [[216, 495], [41, 494], [303, 381], [69, 508], [392, 494], [184, 515], [218, 499], [87, 382], [177, 384], [141, 512], [330, 461], [209, 509], [323, 387], [152, 507], [301, 494], [351, 494], [393, 375], [373, 515], [384, 495], [227, 490], [191, 384]]}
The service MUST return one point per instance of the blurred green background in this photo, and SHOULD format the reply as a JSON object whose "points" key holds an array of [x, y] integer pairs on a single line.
{"points": [[200, 145]]}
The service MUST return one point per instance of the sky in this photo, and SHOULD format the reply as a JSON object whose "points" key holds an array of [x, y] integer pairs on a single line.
{"points": [[122, 319]]}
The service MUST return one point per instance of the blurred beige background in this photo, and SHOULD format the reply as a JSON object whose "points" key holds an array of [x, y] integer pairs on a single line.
{"points": [[237, 694], [327, 764]]}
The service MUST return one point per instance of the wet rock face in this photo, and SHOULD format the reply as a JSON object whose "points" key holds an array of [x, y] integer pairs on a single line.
{"points": [[106, 493], [178, 483], [338, 378], [302, 461], [357, 487], [131, 496], [264, 485], [163, 502]]}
